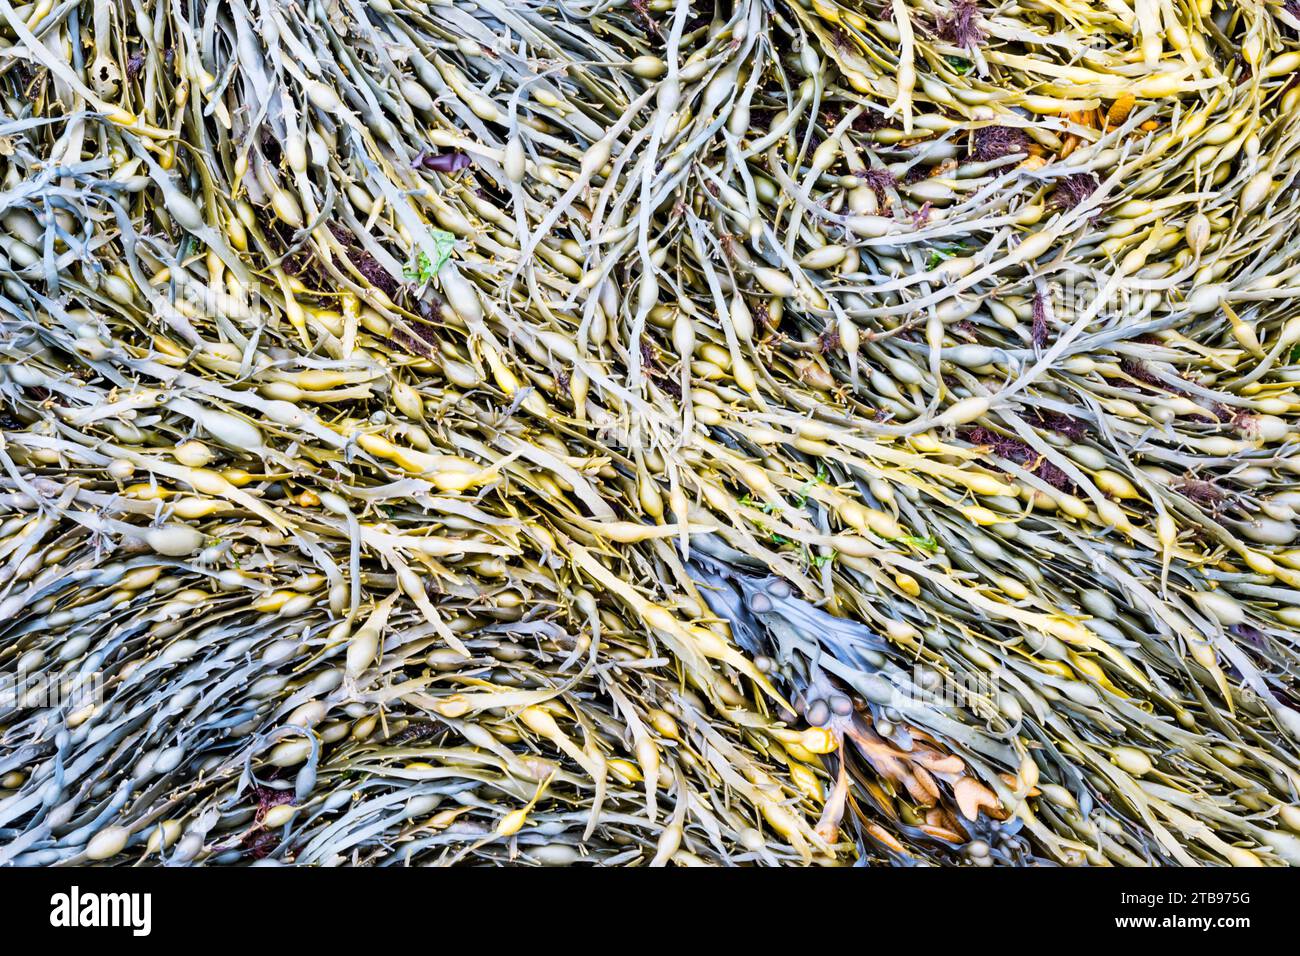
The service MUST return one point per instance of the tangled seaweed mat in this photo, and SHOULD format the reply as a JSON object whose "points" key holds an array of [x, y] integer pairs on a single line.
{"points": [[623, 433]]}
